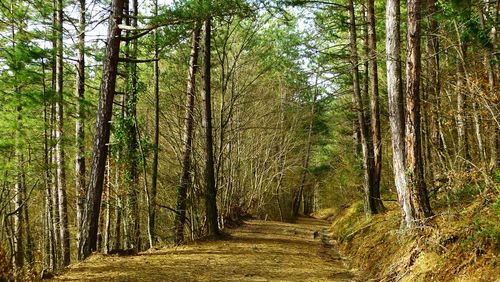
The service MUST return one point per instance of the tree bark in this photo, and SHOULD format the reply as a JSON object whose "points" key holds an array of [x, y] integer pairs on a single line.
{"points": [[434, 86], [90, 219], [118, 212], [49, 232], [180, 217], [154, 165], [60, 155], [80, 123], [132, 157], [370, 206], [52, 155], [27, 227], [492, 81], [18, 236], [210, 189], [396, 104], [18, 197], [374, 107], [107, 224], [462, 123], [419, 200]]}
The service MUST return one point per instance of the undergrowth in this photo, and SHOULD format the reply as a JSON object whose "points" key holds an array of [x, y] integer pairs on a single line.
{"points": [[460, 243]]}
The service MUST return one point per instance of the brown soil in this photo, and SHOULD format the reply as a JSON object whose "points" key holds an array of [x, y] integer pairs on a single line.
{"points": [[256, 251]]}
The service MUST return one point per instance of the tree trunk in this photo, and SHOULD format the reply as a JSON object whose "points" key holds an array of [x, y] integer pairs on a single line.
{"points": [[396, 104], [118, 212], [18, 238], [60, 156], [374, 107], [210, 189], [18, 198], [154, 165], [132, 157], [49, 232], [107, 224], [80, 124], [52, 155], [90, 219], [490, 66], [494, 80], [434, 87], [462, 124], [479, 135], [419, 200], [180, 217], [30, 248], [305, 165], [370, 206]]}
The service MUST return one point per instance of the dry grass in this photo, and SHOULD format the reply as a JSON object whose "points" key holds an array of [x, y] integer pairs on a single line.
{"points": [[452, 247], [257, 251]]}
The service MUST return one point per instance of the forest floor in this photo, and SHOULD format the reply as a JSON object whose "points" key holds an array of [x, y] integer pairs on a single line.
{"points": [[257, 251]]}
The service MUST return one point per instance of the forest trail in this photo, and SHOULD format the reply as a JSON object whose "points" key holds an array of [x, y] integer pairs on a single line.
{"points": [[256, 251]]}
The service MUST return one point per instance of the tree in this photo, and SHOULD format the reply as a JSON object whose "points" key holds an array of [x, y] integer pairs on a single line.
{"points": [[156, 138], [59, 138], [209, 175], [90, 218], [374, 107], [131, 159], [184, 185], [434, 87], [419, 200], [368, 164], [80, 122], [305, 165], [396, 105]]}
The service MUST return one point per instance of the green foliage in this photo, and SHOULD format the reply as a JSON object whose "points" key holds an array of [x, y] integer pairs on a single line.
{"points": [[497, 175], [484, 230]]}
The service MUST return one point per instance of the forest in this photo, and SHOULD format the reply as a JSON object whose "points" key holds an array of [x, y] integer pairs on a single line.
{"points": [[136, 132]]}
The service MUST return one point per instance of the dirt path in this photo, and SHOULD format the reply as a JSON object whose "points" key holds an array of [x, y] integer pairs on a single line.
{"points": [[257, 251]]}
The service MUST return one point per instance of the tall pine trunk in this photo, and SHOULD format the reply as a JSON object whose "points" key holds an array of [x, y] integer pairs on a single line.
{"points": [[419, 201], [396, 105], [374, 107], [80, 123], [49, 227], [90, 218], [18, 191], [370, 206], [59, 128], [210, 189], [184, 185], [154, 165], [434, 88], [18, 196], [131, 154]]}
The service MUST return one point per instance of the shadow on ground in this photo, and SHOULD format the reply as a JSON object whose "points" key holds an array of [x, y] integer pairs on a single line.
{"points": [[257, 251]]}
